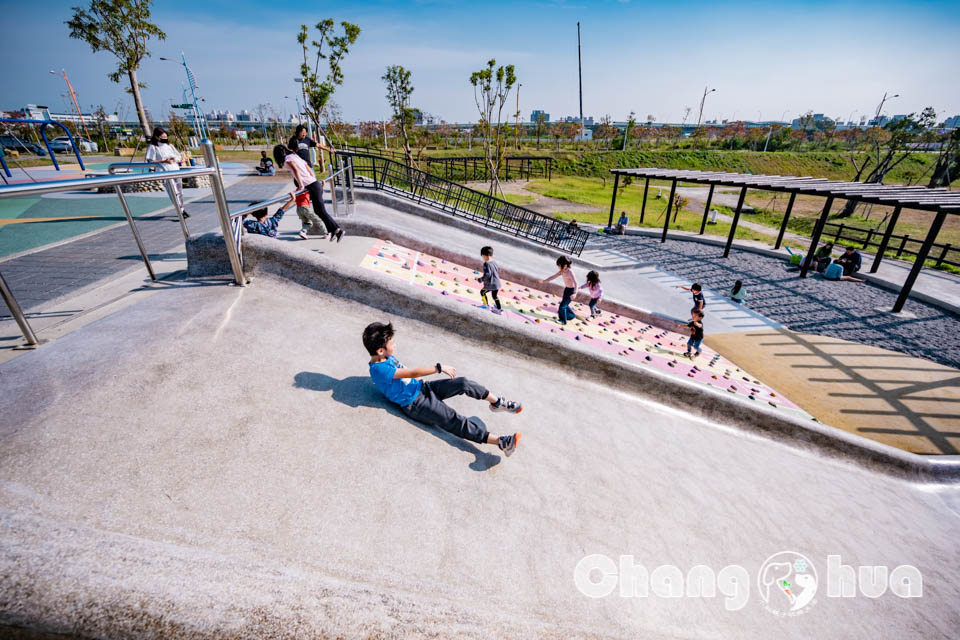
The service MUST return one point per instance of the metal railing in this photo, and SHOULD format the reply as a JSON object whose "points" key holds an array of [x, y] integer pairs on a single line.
{"points": [[116, 181], [424, 188], [168, 184]]}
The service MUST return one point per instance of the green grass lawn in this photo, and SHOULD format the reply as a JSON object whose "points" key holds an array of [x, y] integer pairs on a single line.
{"points": [[519, 199]]}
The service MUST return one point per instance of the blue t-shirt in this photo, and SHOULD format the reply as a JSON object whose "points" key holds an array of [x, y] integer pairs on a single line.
{"points": [[402, 391]]}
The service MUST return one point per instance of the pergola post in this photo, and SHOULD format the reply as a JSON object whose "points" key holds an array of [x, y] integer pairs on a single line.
{"points": [[888, 232], [666, 222], [786, 219], [643, 206], [736, 219], [613, 200], [817, 230], [921, 258], [706, 210]]}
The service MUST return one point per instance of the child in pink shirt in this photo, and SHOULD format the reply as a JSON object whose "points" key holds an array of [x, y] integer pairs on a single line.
{"points": [[596, 292]]}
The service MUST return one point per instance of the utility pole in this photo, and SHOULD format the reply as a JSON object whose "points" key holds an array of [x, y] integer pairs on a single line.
{"points": [[73, 96], [876, 119], [580, 75], [516, 131], [700, 115]]}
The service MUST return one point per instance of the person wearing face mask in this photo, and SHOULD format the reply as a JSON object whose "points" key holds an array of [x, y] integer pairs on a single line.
{"points": [[160, 150]]}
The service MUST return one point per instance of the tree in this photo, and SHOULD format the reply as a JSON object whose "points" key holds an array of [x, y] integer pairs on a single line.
{"points": [[605, 130], [123, 28], [540, 127], [179, 129], [631, 122], [947, 165], [333, 49], [491, 86], [261, 111], [398, 97], [891, 149], [100, 115], [369, 130]]}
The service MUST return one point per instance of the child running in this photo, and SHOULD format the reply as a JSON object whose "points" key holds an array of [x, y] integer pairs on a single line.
{"points": [[305, 178], [569, 287], [423, 401], [491, 277], [596, 292], [696, 333], [307, 217]]}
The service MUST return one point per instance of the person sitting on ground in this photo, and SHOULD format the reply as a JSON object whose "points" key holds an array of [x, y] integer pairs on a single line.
{"points": [[696, 333], [424, 401], [622, 223], [261, 224], [265, 168], [835, 272], [738, 294], [850, 261], [822, 257]]}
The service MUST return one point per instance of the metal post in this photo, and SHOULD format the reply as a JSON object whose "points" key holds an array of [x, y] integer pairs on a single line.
{"points": [[733, 225], [817, 230], [168, 184], [943, 254], [786, 219], [333, 191], [223, 212], [643, 205], [921, 258], [666, 223], [353, 184], [706, 210], [17, 313], [886, 240], [836, 238], [136, 234], [613, 200]]}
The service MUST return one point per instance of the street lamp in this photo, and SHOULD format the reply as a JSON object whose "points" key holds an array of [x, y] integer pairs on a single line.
{"points": [[73, 96], [700, 115], [876, 119], [516, 130], [198, 119], [850, 117]]}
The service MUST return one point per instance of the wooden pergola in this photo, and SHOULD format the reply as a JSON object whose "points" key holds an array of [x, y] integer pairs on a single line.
{"points": [[938, 201]]}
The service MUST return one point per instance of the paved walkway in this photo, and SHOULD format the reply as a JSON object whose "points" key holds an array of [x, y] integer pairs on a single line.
{"points": [[41, 277]]}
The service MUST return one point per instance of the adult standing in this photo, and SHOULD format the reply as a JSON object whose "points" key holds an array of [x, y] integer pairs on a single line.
{"points": [[300, 144], [160, 150], [305, 178]]}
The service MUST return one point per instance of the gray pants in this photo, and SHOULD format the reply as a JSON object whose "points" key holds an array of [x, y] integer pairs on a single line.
{"points": [[309, 221], [429, 408]]}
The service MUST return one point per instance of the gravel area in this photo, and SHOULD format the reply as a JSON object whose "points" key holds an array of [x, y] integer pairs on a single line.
{"points": [[847, 310]]}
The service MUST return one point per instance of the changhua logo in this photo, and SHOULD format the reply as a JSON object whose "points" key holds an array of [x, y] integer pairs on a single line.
{"points": [[787, 581]]}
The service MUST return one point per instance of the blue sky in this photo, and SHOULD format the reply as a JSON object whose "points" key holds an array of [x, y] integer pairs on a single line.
{"points": [[766, 59]]}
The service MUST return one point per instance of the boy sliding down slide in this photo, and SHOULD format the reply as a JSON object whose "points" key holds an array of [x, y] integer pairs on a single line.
{"points": [[423, 401]]}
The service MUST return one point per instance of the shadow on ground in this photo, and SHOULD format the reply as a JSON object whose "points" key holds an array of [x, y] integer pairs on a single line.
{"points": [[359, 391]]}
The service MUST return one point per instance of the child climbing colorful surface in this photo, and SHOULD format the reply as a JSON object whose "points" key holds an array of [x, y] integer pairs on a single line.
{"points": [[633, 340]]}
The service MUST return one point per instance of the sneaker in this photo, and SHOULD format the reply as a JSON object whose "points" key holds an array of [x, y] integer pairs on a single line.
{"points": [[507, 405], [508, 444], [186, 215], [302, 234], [686, 355], [696, 355]]}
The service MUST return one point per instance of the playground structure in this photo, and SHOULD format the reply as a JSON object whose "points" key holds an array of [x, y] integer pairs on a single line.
{"points": [[43, 135], [938, 201]]}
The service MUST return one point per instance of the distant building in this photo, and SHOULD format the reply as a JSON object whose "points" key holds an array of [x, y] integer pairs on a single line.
{"points": [[587, 120], [952, 123], [536, 113], [244, 116], [819, 121]]}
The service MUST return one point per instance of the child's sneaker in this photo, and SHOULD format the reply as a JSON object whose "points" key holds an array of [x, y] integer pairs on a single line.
{"points": [[303, 234], [507, 405], [696, 355], [508, 444]]}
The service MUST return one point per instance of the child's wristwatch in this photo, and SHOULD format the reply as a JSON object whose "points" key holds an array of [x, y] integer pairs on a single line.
{"points": [[439, 368]]}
